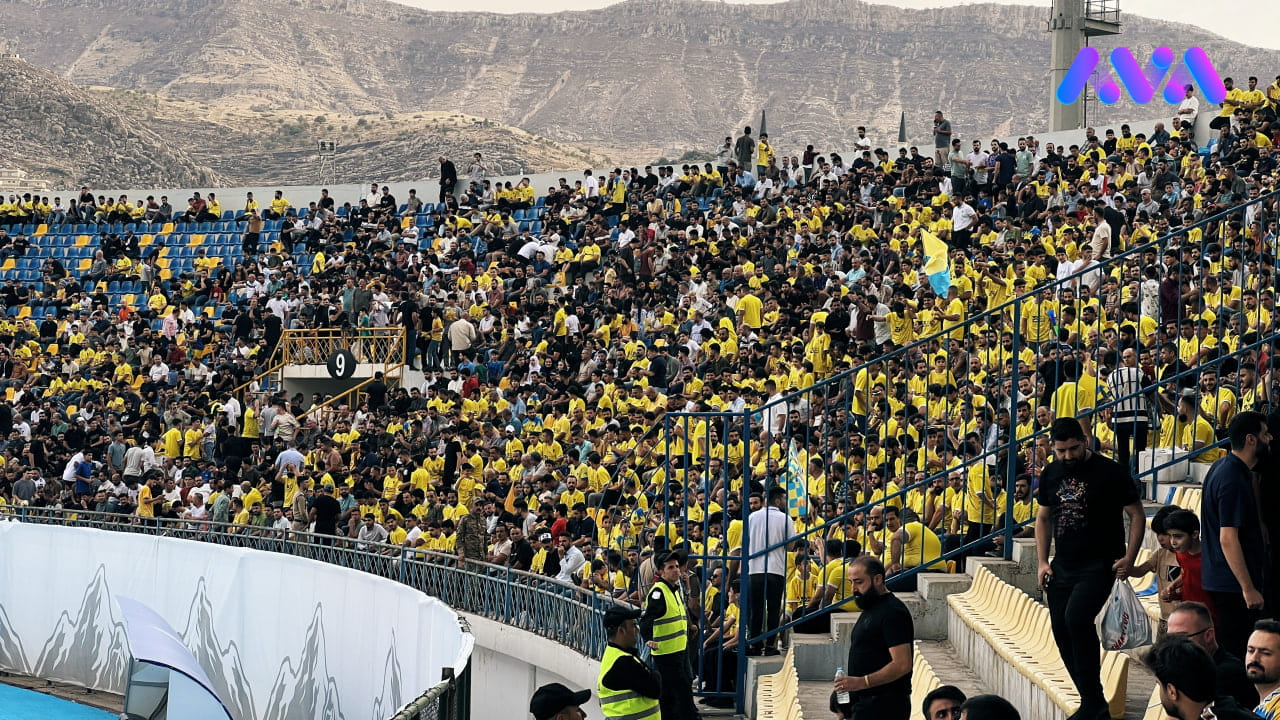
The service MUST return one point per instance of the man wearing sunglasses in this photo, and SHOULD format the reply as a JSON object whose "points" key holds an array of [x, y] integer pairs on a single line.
{"points": [[1194, 620]]}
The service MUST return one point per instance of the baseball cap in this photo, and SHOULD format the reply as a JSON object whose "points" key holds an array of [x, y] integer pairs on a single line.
{"points": [[549, 700], [615, 616]]}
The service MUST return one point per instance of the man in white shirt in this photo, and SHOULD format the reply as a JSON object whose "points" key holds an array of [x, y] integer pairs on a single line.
{"points": [[1188, 109], [571, 559], [963, 218], [1090, 267], [768, 528], [978, 161], [862, 142], [591, 184]]}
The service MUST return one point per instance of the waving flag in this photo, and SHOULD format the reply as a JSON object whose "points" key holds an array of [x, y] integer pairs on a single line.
{"points": [[936, 263], [797, 490]]}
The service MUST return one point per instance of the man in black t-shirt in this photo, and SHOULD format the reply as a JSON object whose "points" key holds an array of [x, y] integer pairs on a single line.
{"points": [[1081, 497], [325, 510], [878, 673]]}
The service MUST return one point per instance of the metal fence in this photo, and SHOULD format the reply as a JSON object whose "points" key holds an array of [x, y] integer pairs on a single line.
{"points": [[568, 615]]}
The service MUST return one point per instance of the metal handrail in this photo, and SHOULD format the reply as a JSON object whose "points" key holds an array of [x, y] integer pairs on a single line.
{"points": [[557, 611], [352, 393]]}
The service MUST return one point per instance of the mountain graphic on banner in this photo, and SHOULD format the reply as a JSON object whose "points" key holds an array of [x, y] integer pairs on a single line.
{"points": [[71, 654], [221, 663], [304, 687], [389, 699], [13, 658]]}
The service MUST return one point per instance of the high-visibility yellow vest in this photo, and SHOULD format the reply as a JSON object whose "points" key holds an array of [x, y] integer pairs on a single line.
{"points": [[623, 704], [671, 631]]}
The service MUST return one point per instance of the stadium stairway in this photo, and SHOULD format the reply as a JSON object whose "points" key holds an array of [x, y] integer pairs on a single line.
{"points": [[815, 655], [955, 651]]}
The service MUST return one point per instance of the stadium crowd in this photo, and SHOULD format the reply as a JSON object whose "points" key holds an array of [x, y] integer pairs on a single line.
{"points": [[557, 332]]}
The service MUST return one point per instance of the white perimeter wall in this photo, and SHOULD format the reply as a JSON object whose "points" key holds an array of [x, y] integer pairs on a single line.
{"points": [[509, 664], [280, 636]]}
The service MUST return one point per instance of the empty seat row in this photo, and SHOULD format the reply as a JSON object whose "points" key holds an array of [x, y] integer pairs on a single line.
{"points": [[778, 695], [1005, 637]]}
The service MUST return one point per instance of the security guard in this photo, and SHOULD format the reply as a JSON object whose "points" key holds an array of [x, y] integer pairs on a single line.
{"points": [[557, 702], [628, 689], [666, 623]]}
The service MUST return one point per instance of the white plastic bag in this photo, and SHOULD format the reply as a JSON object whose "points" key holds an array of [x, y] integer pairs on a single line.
{"points": [[1123, 623]]}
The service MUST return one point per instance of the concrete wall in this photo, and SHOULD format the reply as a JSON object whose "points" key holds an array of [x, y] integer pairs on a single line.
{"points": [[509, 664]]}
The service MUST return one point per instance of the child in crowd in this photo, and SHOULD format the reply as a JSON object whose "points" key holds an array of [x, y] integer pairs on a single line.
{"points": [[1164, 563], [1184, 538]]}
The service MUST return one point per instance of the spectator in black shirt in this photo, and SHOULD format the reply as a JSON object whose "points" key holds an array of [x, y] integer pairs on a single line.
{"points": [[1081, 495], [325, 511], [879, 667], [448, 178], [581, 529], [1185, 677]]}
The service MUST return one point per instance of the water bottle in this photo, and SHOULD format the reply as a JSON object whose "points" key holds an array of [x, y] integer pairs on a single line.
{"points": [[841, 697]]}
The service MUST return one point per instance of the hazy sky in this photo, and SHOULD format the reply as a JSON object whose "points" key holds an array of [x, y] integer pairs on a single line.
{"points": [[1252, 22]]}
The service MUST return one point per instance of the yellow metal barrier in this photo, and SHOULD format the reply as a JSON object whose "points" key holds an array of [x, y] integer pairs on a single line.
{"points": [[379, 346]]}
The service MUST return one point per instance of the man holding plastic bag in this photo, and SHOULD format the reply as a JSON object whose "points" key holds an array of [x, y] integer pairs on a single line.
{"points": [[1083, 498]]}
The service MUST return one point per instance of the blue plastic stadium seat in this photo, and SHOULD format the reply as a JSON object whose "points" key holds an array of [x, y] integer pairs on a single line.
{"points": [[228, 214], [540, 202], [537, 227], [205, 227]]}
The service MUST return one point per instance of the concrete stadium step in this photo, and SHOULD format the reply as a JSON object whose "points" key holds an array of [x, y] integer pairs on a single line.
{"points": [[949, 668], [815, 698], [1141, 683], [815, 695]]}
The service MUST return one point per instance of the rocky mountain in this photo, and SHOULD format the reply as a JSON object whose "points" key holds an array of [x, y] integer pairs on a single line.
{"points": [[66, 135], [260, 146], [635, 80]]}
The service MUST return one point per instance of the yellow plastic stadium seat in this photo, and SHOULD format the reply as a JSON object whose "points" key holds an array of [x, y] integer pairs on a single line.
{"points": [[1178, 494], [25, 312], [196, 239], [83, 240], [164, 251], [52, 349], [72, 410], [167, 229], [137, 381], [163, 263], [1155, 709], [166, 274], [209, 311], [8, 394], [951, 567], [146, 240], [9, 264], [1192, 499], [85, 264], [42, 229], [128, 299]]}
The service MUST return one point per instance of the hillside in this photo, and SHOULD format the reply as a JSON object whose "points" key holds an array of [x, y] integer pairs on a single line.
{"points": [[65, 135], [634, 80], [254, 145]]}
